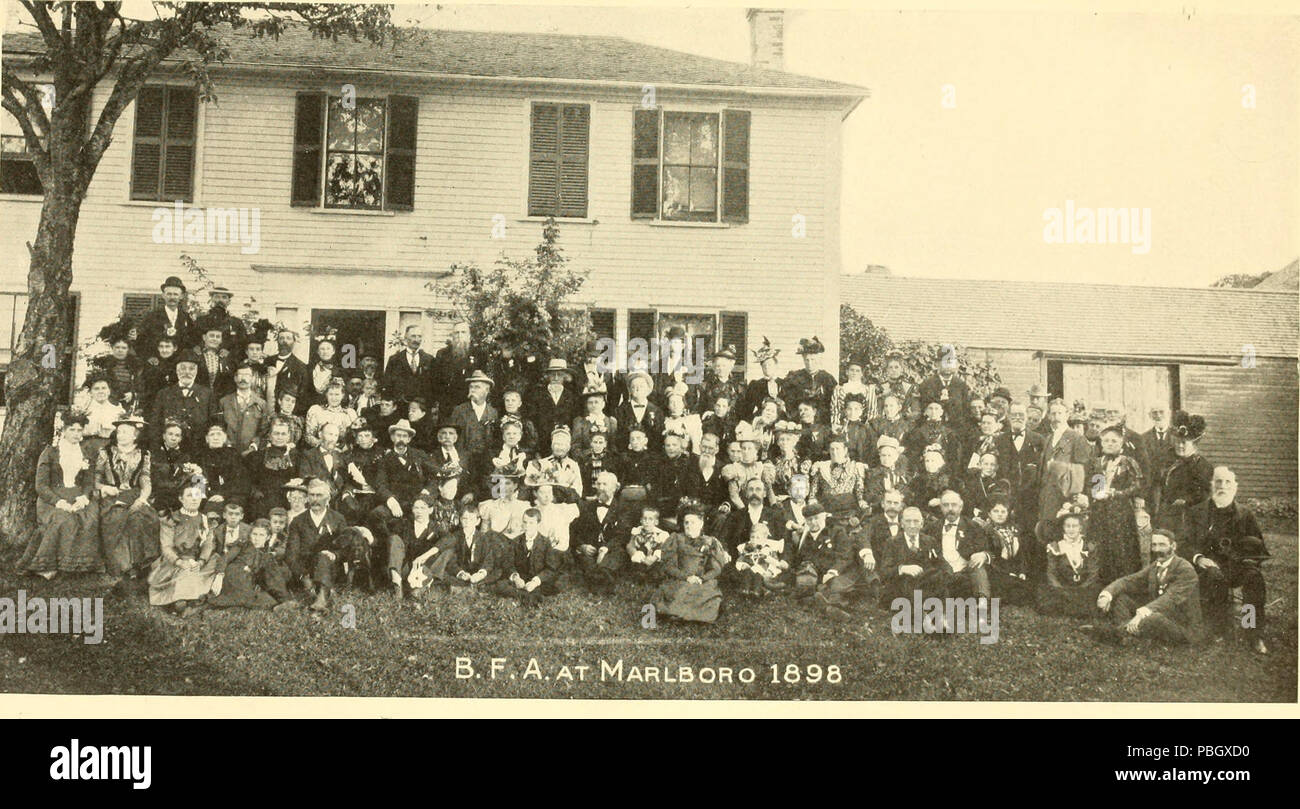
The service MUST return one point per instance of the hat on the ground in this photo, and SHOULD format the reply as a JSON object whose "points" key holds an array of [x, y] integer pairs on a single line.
{"points": [[403, 425]]}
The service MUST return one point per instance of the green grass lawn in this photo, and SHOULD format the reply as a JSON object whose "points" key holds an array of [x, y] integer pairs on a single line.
{"points": [[411, 650]]}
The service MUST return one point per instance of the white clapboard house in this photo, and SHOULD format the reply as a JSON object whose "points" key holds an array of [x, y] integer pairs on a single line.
{"points": [[339, 178]]}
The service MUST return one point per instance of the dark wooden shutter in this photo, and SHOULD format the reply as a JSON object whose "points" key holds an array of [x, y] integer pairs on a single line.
{"points": [[641, 324], [734, 330], [735, 166], [181, 128], [308, 143], [136, 305], [575, 130], [603, 323], [645, 164], [146, 156], [399, 174], [544, 161]]}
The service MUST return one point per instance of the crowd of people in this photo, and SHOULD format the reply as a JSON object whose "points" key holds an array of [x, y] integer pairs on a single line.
{"points": [[215, 475]]}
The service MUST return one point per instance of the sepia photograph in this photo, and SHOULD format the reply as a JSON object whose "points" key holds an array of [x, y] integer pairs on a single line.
{"points": [[647, 352]]}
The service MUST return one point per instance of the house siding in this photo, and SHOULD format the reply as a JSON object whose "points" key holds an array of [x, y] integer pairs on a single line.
{"points": [[472, 158], [1251, 421]]}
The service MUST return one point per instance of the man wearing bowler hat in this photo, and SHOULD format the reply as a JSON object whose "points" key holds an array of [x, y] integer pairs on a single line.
{"points": [[170, 319], [234, 335], [476, 420]]}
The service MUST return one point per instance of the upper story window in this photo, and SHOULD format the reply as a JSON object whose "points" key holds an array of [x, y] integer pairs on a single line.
{"points": [[691, 166], [557, 160], [166, 133], [358, 153], [17, 168]]}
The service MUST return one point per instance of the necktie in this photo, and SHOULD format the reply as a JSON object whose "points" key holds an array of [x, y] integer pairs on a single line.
{"points": [[414, 361]]}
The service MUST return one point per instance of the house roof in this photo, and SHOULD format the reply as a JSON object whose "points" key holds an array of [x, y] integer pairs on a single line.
{"points": [[504, 55], [1286, 278], [1087, 319]]}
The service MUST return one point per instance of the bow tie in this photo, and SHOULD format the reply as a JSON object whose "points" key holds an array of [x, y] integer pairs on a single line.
{"points": [[1017, 433], [948, 525]]}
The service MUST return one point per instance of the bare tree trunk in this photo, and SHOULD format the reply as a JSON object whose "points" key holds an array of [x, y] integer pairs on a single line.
{"points": [[40, 371]]}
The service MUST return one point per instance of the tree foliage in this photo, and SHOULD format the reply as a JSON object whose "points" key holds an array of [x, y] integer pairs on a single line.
{"points": [[1241, 280], [522, 309], [865, 342]]}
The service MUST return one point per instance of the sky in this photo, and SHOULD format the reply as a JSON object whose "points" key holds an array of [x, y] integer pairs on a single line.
{"points": [[981, 126]]}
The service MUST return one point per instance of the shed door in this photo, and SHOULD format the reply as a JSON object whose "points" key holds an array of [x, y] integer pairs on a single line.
{"points": [[1134, 388]]}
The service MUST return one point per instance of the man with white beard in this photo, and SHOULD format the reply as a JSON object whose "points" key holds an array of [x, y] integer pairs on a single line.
{"points": [[451, 367]]}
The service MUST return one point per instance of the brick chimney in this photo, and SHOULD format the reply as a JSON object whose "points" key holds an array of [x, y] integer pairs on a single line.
{"points": [[766, 38]]}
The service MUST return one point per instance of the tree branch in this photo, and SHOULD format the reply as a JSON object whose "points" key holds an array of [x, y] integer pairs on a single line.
{"points": [[28, 109], [41, 15]]}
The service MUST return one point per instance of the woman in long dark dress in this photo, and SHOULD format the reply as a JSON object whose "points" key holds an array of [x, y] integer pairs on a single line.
{"points": [[170, 469], [67, 532], [691, 563], [1114, 479], [128, 525]]}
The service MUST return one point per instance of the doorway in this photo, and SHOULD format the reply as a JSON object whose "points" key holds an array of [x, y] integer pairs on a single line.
{"points": [[363, 329]]}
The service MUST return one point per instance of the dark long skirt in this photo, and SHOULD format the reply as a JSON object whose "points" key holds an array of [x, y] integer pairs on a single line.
{"points": [[128, 536], [64, 541], [1113, 527], [689, 602]]}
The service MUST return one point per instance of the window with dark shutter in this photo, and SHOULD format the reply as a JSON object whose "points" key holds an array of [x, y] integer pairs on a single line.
{"points": [[162, 159], [403, 118], [136, 305], [734, 331], [645, 164], [308, 142], [557, 160], [603, 323], [640, 334], [735, 166]]}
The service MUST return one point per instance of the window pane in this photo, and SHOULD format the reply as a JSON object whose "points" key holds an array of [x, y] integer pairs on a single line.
{"points": [[340, 126], [370, 125], [677, 138], [704, 140], [676, 192], [704, 190]]}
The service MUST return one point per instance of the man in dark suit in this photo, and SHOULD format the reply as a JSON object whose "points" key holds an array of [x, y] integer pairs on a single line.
{"points": [[852, 578], [962, 549], [911, 562], [451, 369], [216, 369], [886, 524], [1224, 543], [321, 543], [639, 411], [285, 372], [704, 475], [410, 373], [1158, 445], [234, 334], [476, 421], [1161, 601], [554, 404], [401, 474], [531, 567], [170, 319], [190, 405], [945, 387], [245, 413], [1020, 451], [598, 537], [738, 522], [813, 552]]}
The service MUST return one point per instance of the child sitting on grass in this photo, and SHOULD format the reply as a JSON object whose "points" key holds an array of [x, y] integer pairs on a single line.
{"points": [[645, 548], [760, 561]]}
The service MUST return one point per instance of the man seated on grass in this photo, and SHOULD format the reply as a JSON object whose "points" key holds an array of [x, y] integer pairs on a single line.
{"points": [[856, 582], [962, 546], [812, 553], [320, 543], [599, 537], [1161, 602], [911, 561], [530, 567]]}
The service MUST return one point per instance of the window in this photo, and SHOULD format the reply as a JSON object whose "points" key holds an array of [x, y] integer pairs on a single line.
{"points": [[136, 305], [162, 159], [17, 168], [359, 155], [557, 160], [702, 334], [13, 310], [691, 166]]}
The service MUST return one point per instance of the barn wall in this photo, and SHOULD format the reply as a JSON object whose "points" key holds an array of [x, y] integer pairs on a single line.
{"points": [[1251, 415]]}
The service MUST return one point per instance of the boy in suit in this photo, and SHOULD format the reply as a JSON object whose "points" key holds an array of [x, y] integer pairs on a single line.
{"points": [[531, 567]]}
